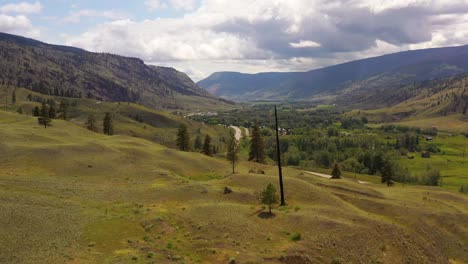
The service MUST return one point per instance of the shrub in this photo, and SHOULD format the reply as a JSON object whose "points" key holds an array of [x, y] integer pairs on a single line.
{"points": [[431, 177], [296, 237], [464, 189]]}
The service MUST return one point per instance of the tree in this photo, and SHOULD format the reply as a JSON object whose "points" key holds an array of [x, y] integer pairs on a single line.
{"points": [[90, 123], [198, 142], [257, 152], [63, 108], [107, 126], [52, 113], [183, 138], [207, 148], [233, 148], [44, 118], [387, 172], [336, 172], [36, 111], [432, 177], [269, 196], [13, 97]]}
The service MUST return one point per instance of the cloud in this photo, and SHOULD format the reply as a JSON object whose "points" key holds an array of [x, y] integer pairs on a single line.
{"points": [[19, 24], [155, 4], [76, 16], [187, 5], [22, 8], [305, 44], [260, 35]]}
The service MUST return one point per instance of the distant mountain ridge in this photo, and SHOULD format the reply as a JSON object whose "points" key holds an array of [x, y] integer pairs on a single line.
{"points": [[387, 70], [47, 68]]}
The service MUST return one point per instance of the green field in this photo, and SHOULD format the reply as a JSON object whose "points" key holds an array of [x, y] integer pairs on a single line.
{"points": [[68, 195], [451, 161]]}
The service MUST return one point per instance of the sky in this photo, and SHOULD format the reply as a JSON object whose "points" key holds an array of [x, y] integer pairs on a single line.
{"points": [[200, 37]]}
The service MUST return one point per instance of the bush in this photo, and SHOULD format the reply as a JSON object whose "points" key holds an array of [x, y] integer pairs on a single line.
{"points": [[296, 237], [432, 148], [464, 189], [431, 177]]}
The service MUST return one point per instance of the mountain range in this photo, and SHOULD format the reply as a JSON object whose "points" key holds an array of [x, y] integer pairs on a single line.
{"points": [[74, 72], [345, 83]]}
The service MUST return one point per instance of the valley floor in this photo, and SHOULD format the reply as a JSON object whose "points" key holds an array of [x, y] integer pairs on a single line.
{"points": [[68, 195]]}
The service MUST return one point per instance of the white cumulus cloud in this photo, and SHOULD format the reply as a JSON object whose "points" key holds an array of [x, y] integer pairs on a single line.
{"points": [[22, 8], [280, 35]]}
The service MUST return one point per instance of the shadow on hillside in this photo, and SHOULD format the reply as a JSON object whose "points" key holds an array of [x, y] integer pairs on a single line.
{"points": [[266, 215]]}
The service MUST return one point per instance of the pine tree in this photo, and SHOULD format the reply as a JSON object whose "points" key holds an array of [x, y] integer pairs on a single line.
{"points": [[257, 152], [336, 172], [63, 108], [207, 148], [52, 113], [91, 123], [13, 97], [387, 172], [183, 138], [233, 148], [108, 127], [269, 196], [44, 118], [36, 111], [198, 142]]}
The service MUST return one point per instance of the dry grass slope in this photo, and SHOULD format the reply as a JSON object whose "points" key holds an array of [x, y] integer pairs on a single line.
{"points": [[68, 195]]}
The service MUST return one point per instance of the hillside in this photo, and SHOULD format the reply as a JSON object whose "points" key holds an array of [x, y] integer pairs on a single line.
{"points": [[385, 71], [129, 118], [442, 103], [88, 198], [73, 72]]}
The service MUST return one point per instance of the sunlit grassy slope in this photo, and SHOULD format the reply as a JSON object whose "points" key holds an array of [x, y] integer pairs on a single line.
{"points": [[68, 195], [156, 125]]}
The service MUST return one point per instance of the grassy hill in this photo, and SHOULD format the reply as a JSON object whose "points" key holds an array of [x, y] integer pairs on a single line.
{"points": [[73, 72], [71, 195], [129, 118]]}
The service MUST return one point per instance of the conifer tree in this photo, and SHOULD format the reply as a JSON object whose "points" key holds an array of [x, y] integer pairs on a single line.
{"points": [[13, 97], [90, 123], [207, 148], [52, 113], [257, 152], [44, 118], [198, 142], [269, 196], [233, 148], [36, 111], [336, 172], [63, 108], [183, 138], [387, 172], [107, 126]]}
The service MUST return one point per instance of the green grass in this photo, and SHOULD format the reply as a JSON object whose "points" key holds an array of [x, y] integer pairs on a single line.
{"points": [[71, 195], [450, 161]]}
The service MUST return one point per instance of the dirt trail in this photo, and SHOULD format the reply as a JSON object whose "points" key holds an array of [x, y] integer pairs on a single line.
{"points": [[238, 132], [327, 176], [247, 133]]}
